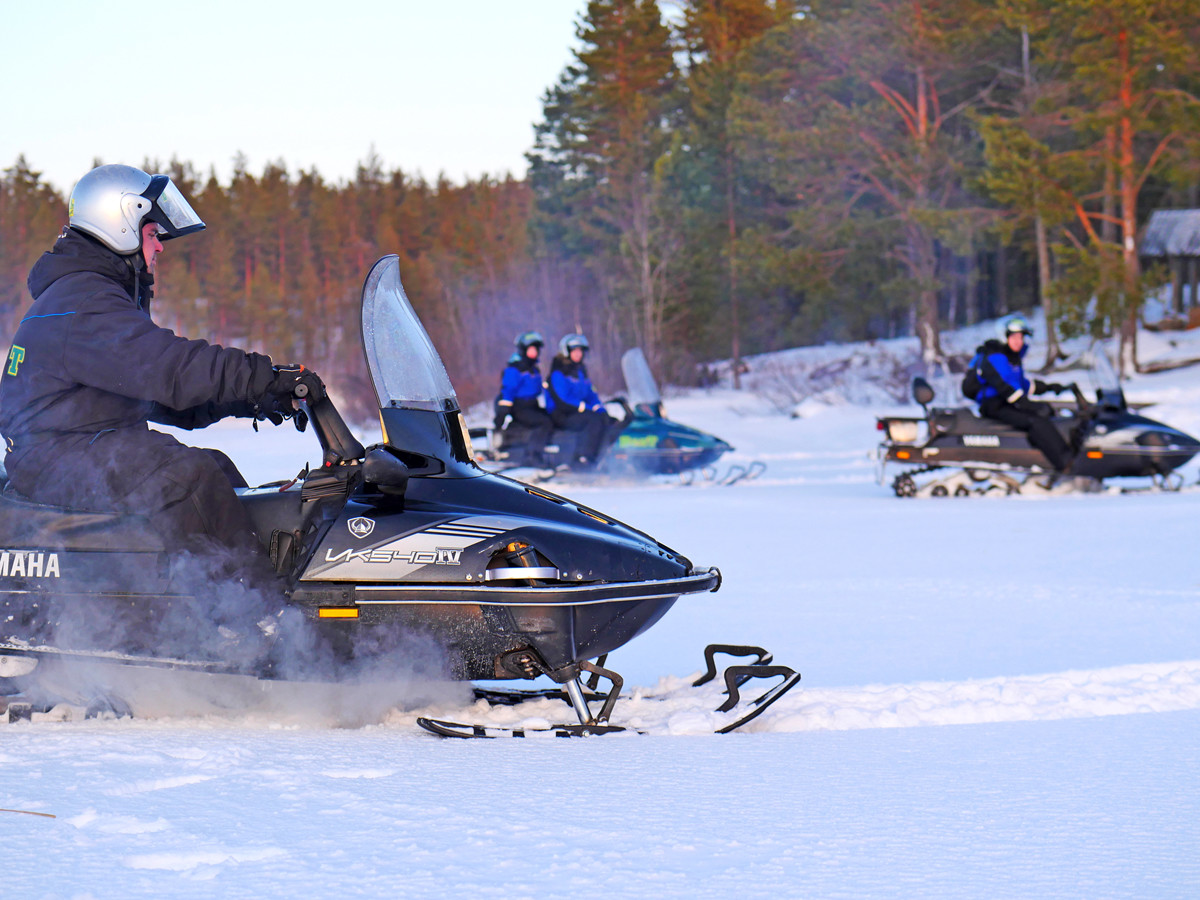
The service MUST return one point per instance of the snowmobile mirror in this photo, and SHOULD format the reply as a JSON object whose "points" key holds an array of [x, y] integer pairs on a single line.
{"points": [[922, 392], [384, 471]]}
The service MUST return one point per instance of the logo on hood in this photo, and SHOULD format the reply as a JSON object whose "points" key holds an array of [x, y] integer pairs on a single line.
{"points": [[361, 526]]}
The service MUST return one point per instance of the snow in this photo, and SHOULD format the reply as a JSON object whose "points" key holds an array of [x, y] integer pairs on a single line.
{"points": [[1000, 698]]}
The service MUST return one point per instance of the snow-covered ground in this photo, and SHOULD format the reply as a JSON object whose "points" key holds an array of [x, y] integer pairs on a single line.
{"points": [[1001, 698]]}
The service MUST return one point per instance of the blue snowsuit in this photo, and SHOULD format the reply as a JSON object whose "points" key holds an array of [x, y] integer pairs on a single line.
{"points": [[1005, 394], [520, 388], [575, 406]]}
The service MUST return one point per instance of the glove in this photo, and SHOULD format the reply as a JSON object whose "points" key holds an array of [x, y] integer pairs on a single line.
{"points": [[294, 382], [499, 420], [266, 415], [1056, 388]]}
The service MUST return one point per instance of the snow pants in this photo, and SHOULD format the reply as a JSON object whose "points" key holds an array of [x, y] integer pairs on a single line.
{"points": [[597, 429], [187, 494], [537, 422], [1034, 419]]}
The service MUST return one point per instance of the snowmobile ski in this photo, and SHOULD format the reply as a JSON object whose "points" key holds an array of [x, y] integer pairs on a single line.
{"points": [[517, 696], [734, 678], [443, 728]]}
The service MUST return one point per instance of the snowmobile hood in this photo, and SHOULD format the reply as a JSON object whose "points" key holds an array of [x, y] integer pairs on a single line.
{"points": [[74, 252]]}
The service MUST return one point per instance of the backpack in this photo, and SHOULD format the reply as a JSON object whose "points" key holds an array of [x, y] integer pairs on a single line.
{"points": [[972, 384]]}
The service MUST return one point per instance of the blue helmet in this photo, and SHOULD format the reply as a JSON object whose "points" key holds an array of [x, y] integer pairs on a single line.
{"points": [[527, 339], [570, 341]]}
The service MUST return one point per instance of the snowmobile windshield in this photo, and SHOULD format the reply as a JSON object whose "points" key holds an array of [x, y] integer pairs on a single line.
{"points": [[1104, 376], [405, 367], [639, 383]]}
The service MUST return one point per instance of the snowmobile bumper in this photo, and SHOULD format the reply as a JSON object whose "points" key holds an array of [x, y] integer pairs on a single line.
{"points": [[508, 631], [549, 595]]}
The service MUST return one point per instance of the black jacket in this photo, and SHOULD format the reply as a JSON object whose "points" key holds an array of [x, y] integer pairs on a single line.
{"points": [[87, 358]]}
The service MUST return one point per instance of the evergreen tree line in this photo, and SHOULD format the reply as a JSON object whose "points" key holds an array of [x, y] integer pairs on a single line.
{"points": [[745, 175], [715, 178]]}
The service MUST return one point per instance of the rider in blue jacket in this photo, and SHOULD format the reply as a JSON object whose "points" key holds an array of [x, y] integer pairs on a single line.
{"points": [[1005, 393], [520, 388], [574, 404]]}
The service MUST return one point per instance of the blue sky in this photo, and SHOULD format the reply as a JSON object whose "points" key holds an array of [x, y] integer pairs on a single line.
{"points": [[448, 87]]}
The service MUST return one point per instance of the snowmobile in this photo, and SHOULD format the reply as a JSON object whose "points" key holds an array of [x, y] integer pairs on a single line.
{"points": [[648, 444], [387, 550], [954, 452]]}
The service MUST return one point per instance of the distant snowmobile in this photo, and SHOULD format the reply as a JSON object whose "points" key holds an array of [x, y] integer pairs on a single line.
{"points": [[954, 452], [649, 442], [405, 541]]}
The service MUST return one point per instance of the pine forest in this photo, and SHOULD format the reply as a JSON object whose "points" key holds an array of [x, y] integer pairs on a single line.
{"points": [[711, 179]]}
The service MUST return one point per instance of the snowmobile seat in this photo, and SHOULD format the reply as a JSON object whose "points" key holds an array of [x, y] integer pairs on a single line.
{"points": [[964, 421], [24, 522], [515, 436]]}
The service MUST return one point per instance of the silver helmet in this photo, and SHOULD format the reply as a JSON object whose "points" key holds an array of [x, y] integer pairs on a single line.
{"points": [[570, 341], [111, 203], [1015, 325]]}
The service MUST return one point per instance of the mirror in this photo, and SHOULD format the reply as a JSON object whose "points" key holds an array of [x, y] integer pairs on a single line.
{"points": [[921, 391], [385, 472]]}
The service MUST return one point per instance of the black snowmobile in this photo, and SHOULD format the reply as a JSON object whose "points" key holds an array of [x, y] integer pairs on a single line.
{"points": [[406, 544], [954, 452], [648, 443]]}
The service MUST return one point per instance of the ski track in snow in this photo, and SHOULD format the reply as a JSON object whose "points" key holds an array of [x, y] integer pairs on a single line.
{"points": [[674, 708]]}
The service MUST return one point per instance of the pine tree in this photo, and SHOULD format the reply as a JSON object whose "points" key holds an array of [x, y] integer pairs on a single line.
{"points": [[593, 164], [894, 81], [717, 35]]}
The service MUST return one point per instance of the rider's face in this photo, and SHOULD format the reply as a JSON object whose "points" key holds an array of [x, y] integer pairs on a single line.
{"points": [[531, 352], [1016, 341], [151, 245], [576, 354]]}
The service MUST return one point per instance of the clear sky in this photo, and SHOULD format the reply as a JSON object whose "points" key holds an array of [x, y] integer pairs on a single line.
{"points": [[436, 86]]}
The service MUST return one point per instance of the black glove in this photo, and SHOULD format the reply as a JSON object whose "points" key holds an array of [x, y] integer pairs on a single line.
{"points": [[294, 382], [266, 415]]}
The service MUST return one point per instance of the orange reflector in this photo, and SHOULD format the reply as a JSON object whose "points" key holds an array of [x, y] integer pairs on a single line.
{"points": [[902, 454], [338, 612], [1095, 454]]}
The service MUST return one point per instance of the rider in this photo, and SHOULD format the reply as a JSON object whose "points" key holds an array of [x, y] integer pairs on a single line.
{"points": [[1005, 391], [89, 369], [574, 404], [520, 388]]}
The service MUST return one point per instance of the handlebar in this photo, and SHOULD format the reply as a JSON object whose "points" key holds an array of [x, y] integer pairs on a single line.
{"points": [[1080, 400], [338, 443]]}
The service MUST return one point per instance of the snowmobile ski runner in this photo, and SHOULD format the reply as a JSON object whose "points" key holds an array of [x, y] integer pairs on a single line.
{"points": [[744, 709]]}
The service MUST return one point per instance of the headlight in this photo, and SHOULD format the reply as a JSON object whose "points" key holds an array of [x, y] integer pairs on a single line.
{"points": [[902, 432]]}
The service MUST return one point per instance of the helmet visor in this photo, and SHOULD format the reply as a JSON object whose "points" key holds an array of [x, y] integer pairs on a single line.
{"points": [[171, 210]]}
